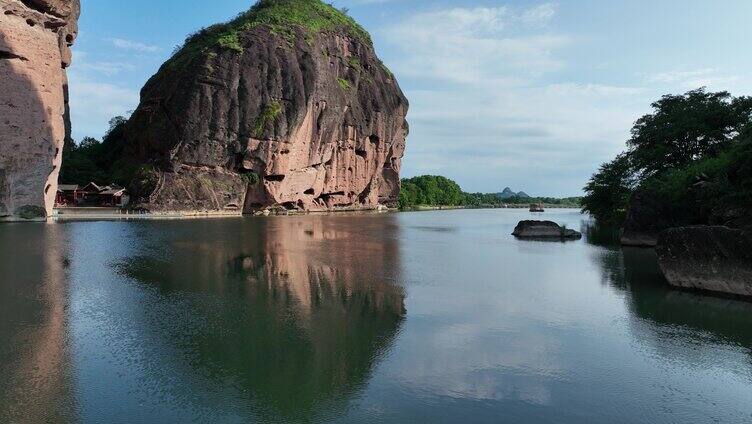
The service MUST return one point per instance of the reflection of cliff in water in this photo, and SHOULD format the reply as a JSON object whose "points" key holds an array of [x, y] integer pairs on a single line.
{"points": [[34, 354], [677, 324], [300, 310]]}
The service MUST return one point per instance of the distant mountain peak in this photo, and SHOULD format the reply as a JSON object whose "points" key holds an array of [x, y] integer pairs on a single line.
{"points": [[508, 192]]}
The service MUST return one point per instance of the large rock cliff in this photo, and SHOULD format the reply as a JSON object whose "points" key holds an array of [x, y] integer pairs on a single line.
{"points": [[35, 41], [285, 106]]}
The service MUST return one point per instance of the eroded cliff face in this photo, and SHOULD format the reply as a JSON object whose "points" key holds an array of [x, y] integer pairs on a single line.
{"points": [[314, 114], [35, 41]]}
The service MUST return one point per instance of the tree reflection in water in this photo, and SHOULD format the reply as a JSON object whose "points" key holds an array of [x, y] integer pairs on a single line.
{"points": [[679, 325]]}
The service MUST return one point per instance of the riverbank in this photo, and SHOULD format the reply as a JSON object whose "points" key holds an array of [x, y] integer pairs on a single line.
{"points": [[421, 208], [93, 213], [99, 214]]}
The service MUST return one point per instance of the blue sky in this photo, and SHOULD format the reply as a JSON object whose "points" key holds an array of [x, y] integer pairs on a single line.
{"points": [[531, 95]]}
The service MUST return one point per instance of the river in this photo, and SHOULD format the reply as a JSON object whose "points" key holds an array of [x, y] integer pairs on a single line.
{"points": [[437, 317]]}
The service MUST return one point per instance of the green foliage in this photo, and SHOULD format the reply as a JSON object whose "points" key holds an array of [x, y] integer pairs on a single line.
{"points": [[344, 84], [250, 178], [281, 17], [268, 116], [608, 191], [230, 41], [430, 190], [354, 62], [97, 161], [388, 72], [494, 200], [699, 193], [692, 153], [686, 128]]}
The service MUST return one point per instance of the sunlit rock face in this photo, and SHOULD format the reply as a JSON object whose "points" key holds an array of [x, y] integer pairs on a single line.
{"points": [[315, 115], [35, 41]]}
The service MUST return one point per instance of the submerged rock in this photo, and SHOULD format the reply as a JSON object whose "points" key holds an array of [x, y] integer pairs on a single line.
{"points": [[35, 41], [287, 106], [717, 259], [544, 230]]}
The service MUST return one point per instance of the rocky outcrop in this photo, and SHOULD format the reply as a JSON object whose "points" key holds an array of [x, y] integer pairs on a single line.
{"points": [[544, 230], [717, 259], [271, 112], [35, 41]]}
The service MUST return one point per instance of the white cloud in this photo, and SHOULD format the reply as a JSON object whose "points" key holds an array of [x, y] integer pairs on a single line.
{"points": [[93, 103], [105, 68], [540, 14], [691, 79], [500, 111], [470, 45], [133, 45]]}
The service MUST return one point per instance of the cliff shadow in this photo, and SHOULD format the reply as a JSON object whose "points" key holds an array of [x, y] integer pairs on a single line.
{"points": [[30, 141]]}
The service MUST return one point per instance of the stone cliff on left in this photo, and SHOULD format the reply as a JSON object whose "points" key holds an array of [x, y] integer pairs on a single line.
{"points": [[35, 41]]}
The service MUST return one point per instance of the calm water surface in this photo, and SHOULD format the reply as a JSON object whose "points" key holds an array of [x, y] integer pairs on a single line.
{"points": [[414, 317]]}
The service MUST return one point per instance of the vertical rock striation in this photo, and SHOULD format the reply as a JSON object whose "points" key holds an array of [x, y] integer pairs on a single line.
{"points": [[711, 258], [35, 41], [286, 106]]}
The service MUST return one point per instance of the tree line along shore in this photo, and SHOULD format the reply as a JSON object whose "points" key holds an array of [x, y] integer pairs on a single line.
{"points": [[438, 192]]}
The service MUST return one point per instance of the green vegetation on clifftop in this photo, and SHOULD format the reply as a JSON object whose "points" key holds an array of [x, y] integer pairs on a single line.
{"points": [[282, 17]]}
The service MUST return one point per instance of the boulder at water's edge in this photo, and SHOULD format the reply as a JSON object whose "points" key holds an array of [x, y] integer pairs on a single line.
{"points": [[717, 259]]}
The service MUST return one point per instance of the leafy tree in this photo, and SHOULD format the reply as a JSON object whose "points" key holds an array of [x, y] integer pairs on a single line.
{"points": [[97, 161], [683, 152], [430, 190], [409, 195], [608, 191], [685, 128]]}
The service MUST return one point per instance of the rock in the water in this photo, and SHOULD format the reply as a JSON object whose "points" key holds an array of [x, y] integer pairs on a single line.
{"points": [[544, 230], [717, 259], [35, 40], [290, 94]]}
